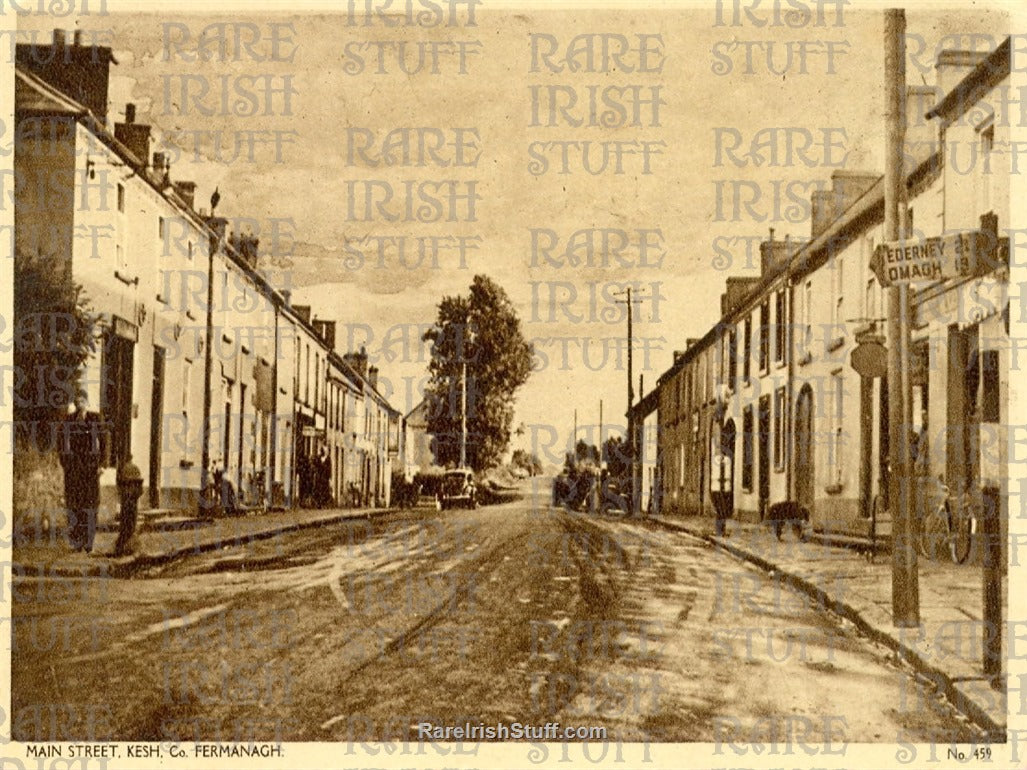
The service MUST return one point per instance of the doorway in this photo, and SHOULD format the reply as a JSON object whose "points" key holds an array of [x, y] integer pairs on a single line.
{"points": [[763, 447], [804, 468], [156, 424]]}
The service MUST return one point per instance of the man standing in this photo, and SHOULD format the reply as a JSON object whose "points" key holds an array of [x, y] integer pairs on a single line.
{"points": [[323, 479], [80, 458]]}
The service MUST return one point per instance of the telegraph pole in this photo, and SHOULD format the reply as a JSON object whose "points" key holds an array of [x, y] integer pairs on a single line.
{"points": [[631, 397], [905, 587]]}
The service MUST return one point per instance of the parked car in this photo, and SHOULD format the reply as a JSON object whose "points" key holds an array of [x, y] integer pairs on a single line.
{"points": [[458, 489]]}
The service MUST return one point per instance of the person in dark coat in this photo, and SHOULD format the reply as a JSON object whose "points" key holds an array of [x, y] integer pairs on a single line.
{"points": [[80, 459], [322, 479]]}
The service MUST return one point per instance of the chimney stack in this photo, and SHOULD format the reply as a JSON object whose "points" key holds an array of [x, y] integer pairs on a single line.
{"points": [[921, 131], [326, 331], [357, 362], [952, 66], [81, 72], [135, 136], [186, 191], [372, 377], [821, 211], [848, 186]]}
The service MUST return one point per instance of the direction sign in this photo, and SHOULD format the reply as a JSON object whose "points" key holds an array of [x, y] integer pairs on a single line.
{"points": [[931, 259]]}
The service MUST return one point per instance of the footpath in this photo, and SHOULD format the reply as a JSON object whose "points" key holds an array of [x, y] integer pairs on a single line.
{"points": [[946, 649], [161, 542]]}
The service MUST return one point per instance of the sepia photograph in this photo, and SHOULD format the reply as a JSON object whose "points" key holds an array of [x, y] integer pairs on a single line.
{"points": [[449, 383]]}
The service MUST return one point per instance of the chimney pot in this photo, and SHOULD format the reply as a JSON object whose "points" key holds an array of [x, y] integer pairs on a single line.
{"points": [[59, 38], [78, 38], [130, 112]]}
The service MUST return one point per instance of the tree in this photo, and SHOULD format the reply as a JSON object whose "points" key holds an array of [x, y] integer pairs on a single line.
{"points": [[482, 330], [618, 459], [526, 460], [54, 334]]}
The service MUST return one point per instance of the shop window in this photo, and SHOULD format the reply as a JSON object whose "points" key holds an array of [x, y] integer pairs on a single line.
{"points": [[117, 396], [989, 386]]}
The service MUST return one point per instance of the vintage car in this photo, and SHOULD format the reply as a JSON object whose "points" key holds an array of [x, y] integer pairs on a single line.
{"points": [[458, 489]]}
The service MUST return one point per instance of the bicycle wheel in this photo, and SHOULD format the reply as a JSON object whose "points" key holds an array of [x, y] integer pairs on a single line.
{"points": [[961, 525], [934, 532]]}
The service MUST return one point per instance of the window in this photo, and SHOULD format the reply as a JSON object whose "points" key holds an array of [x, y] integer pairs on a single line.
{"points": [[870, 311], [807, 316], [764, 335], [187, 373], [987, 146], [117, 395], [989, 386], [160, 228], [732, 358], [747, 449], [780, 327], [837, 442], [189, 253], [747, 345], [695, 427], [121, 198], [780, 421], [681, 465], [306, 375], [837, 313]]}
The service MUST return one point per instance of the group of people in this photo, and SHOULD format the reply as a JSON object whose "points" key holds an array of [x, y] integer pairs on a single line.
{"points": [[82, 444], [81, 451], [316, 480]]}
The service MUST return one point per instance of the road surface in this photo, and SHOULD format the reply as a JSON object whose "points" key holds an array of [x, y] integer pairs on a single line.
{"points": [[516, 613]]}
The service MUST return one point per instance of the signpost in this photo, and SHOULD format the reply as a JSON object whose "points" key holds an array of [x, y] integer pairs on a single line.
{"points": [[961, 254]]}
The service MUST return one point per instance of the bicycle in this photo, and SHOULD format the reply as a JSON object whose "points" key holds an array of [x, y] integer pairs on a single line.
{"points": [[949, 526]]}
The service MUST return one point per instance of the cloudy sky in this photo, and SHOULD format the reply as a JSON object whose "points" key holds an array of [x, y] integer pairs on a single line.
{"points": [[333, 83]]}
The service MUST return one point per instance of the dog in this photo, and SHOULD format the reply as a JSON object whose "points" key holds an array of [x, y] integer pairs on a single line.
{"points": [[785, 513]]}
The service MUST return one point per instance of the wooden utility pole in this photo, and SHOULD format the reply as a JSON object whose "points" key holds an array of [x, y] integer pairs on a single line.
{"points": [[905, 587], [631, 399]]}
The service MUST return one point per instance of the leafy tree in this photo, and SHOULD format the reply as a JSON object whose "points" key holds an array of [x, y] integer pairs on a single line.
{"points": [[483, 330], [528, 461], [618, 460], [54, 334]]}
